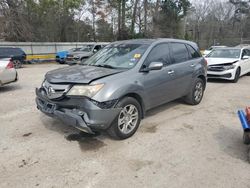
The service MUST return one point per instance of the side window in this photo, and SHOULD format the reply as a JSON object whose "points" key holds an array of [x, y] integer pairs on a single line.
{"points": [[180, 53], [159, 53], [194, 54], [247, 52], [243, 53], [97, 47]]}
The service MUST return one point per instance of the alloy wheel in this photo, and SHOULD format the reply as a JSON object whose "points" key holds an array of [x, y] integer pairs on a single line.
{"points": [[128, 119]]}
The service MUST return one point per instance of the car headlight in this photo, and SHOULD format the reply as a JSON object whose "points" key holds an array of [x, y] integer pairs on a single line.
{"points": [[228, 67], [82, 90], [76, 57]]}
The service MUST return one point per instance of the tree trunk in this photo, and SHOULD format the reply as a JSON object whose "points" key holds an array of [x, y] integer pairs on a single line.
{"points": [[119, 18], [133, 18], [145, 16], [123, 19]]}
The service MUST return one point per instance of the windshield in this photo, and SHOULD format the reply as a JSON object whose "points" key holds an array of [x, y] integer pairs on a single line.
{"points": [[74, 49], [225, 53], [86, 48], [122, 56]]}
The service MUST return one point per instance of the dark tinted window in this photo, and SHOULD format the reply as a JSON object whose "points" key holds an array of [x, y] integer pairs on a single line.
{"points": [[193, 52], [180, 53], [98, 47], [10, 51], [245, 52], [159, 53]]}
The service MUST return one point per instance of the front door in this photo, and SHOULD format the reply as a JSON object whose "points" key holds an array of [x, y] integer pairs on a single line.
{"points": [[159, 85]]}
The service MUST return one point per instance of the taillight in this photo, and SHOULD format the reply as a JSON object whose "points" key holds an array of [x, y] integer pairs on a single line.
{"points": [[205, 61], [10, 65]]}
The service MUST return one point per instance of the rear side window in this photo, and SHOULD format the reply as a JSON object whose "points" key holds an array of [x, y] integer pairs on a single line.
{"points": [[159, 53], [194, 54], [180, 53]]}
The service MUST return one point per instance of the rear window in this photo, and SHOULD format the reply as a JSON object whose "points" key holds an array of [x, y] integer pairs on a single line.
{"points": [[180, 53], [193, 52], [10, 51]]}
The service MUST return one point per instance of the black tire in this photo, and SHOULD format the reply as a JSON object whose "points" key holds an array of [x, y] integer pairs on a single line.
{"points": [[113, 130], [191, 98], [237, 76], [246, 138], [17, 64]]}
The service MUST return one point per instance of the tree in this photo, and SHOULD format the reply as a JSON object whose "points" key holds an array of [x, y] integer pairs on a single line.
{"points": [[167, 22]]}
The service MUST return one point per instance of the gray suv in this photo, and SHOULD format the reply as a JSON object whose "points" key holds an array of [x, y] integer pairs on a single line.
{"points": [[113, 89]]}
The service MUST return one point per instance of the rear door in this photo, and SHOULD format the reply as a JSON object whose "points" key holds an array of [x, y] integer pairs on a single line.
{"points": [[183, 67]]}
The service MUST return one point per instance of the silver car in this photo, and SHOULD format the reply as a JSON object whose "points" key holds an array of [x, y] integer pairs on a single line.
{"points": [[8, 73], [83, 53], [114, 89]]}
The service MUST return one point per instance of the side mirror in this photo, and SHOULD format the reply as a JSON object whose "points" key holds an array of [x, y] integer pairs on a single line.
{"points": [[95, 50], [155, 66], [245, 57]]}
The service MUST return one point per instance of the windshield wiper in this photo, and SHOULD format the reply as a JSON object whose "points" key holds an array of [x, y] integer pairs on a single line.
{"points": [[106, 66]]}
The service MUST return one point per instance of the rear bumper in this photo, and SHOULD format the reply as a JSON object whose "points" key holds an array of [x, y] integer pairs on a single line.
{"points": [[80, 113], [13, 77]]}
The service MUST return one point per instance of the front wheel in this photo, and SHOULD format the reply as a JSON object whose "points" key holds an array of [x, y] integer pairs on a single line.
{"points": [[237, 76], [196, 93], [128, 120]]}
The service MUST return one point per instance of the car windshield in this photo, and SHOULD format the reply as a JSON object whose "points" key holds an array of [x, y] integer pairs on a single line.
{"points": [[86, 48], [74, 49], [122, 56], [225, 53]]}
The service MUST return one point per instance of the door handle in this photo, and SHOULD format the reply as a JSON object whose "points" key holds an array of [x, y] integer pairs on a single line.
{"points": [[192, 65], [171, 72]]}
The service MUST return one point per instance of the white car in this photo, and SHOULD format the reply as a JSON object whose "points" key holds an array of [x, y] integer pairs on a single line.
{"points": [[206, 52], [228, 63], [8, 73]]}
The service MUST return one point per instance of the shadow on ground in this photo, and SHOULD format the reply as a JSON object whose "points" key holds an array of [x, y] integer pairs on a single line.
{"points": [[9, 88], [86, 141], [230, 141]]}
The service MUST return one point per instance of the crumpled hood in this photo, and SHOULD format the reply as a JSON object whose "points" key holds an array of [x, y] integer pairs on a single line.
{"points": [[218, 61], [79, 74]]}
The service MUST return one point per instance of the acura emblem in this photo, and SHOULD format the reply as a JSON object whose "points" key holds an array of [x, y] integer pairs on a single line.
{"points": [[50, 90]]}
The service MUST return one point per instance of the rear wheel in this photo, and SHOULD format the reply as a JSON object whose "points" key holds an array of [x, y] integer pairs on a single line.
{"points": [[128, 120], [196, 94], [17, 64], [237, 76]]}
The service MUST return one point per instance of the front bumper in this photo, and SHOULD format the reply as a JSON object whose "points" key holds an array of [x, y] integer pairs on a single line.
{"points": [[226, 75], [80, 113], [60, 59], [72, 61]]}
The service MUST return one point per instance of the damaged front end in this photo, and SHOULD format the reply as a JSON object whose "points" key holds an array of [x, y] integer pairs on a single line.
{"points": [[82, 112], [222, 67]]}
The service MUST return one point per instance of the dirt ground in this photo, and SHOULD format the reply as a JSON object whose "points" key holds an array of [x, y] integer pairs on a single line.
{"points": [[176, 146]]}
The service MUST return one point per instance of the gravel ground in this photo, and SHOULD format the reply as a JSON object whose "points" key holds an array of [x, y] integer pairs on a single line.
{"points": [[177, 145]]}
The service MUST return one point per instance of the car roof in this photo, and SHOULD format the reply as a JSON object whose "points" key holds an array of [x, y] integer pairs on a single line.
{"points": [[234, 48], [12, 48], [151, 41]]}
